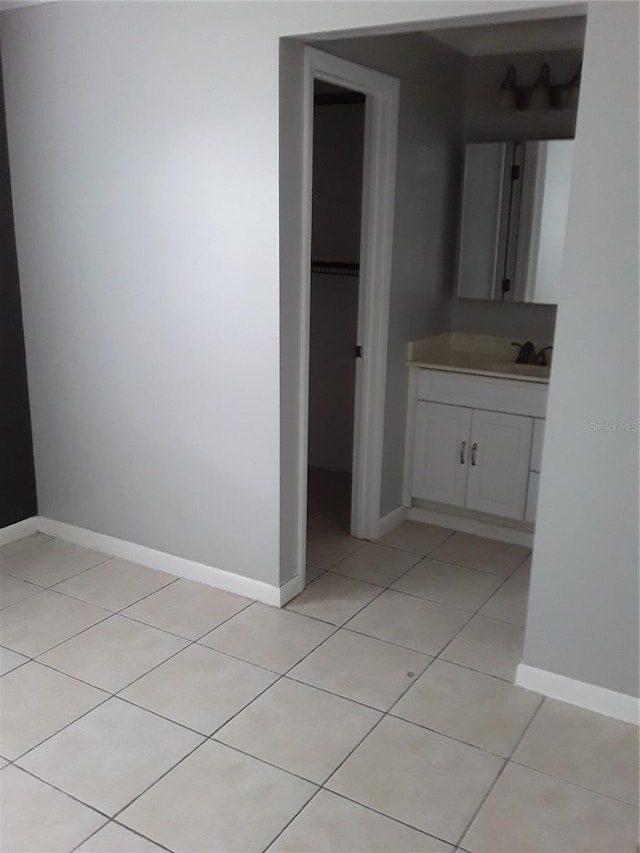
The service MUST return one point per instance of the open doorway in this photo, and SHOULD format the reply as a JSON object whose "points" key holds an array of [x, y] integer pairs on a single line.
{"points": [[338, 158]]}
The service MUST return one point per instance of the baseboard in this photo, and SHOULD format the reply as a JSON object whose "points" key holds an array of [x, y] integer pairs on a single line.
{"points": [[290, 589], [392, 519], [471, 525], [580, 693], [183, 568], [13, 532]]}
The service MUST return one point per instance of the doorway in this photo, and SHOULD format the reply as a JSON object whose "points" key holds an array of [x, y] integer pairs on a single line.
{"points": [[338, 152]]}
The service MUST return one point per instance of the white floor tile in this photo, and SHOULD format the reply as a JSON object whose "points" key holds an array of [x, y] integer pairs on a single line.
{"points": [[470, 706], [110, 755], [376, 564], [114, 653], [326, 547], [13, 590], [23, 544], [448, 584], [361, 668], [421, 625], [36, 817], [236, 804], [114, 584], [266, 636], [43, 620], [199, 688], [588, 749], [333, 598], [187, 608], [431, 782], [300, 729], [36, 702], [10, 660], [51, 562], [529, 812], [331, 824], [476, 552], [509, 603], [116, 839], [415, 537], [489, 646]]}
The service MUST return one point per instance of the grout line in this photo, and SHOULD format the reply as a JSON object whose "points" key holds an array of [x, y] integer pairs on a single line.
{"points": [[61, 791]]}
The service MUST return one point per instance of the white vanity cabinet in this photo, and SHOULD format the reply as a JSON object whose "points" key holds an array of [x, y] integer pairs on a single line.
{"points": [[471, 440]]}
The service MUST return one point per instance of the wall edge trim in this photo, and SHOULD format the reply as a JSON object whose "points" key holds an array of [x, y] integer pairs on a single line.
{"points": [[620, 706]]}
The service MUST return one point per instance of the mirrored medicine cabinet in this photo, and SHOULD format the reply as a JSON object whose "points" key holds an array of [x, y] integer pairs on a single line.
{"points": [[513, 220]]}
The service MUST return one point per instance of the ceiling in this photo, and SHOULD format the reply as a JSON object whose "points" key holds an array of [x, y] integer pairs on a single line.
{"points": [[515, 36]]}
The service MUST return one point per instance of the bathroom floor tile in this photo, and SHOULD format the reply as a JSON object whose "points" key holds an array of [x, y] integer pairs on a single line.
{"points": [[442, 697], [10, 660], [312, 573], [329, 824], [23, 544], [36, 702], [428, 781], [199, 688], [476, 552], [114, 838], [585, 748], [114, 584], [13, 590], [361, 668], [421, 625], [110, 755], [376, 564], [187, 608], [266, 636], [300, 729], [45, 619], [415, 537], [333, 598], [529, 812], [489, 646], [509, 603], [36, 817], [114, 653], [445, 583], [523, 572], [51, 562], [236, 804], [326, 547]]}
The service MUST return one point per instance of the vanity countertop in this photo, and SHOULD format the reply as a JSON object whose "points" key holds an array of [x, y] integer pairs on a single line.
{"points": [[483, 355]]}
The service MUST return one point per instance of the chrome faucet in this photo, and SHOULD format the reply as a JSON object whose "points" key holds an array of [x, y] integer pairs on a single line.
{"points": [[527, 354]]}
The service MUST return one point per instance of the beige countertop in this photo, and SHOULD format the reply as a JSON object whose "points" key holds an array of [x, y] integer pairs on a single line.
{"points": [[483, 355]]}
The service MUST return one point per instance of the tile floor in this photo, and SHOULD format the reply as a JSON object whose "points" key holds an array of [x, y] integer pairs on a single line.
{"points": [[140, 712]]}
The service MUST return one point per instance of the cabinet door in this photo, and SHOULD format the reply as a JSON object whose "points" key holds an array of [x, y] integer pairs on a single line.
{"points": [[441, 452], [499, 463]]}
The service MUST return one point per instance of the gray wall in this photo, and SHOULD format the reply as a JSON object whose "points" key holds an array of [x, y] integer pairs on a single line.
{"points": [[583, 608], [338, 136], [17, 476], [484, 122], [429, 150]]}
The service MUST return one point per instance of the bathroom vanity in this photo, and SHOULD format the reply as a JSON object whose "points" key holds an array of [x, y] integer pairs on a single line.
{"points": [[475, 428]]}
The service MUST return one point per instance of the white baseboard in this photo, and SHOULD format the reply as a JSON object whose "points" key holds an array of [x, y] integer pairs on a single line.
{"points": [[183, 568], [290, 589], [13, 532], [471, 525], [392, 519], [580, 693]]}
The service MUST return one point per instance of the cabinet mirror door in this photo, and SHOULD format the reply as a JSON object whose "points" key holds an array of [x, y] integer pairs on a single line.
{"points": [[513, 220]]}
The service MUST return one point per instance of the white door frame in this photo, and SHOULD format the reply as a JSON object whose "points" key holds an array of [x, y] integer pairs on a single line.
{"points": [[376, 241]]}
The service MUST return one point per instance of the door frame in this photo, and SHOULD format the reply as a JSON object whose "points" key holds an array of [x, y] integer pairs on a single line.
{"points": [[376, 240]]}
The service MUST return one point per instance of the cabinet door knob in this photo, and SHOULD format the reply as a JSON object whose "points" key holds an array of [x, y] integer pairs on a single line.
{"points": [[474, 448], [462, 448]]}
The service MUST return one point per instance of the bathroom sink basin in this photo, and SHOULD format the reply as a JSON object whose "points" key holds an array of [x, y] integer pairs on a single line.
{"points": [[512, 368]]}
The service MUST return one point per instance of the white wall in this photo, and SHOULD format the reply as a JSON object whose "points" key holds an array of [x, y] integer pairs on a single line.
{"points": [[583, 608]]}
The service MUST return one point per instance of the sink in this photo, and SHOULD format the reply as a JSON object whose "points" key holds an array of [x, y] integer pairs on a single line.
{"points": [[512, 368]]}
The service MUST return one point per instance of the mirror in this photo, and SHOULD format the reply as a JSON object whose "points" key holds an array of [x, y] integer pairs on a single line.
{"points": [[515, 201]]}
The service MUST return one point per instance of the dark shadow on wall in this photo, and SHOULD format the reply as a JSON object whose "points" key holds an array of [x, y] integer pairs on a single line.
{"points": [[17, 474]]}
